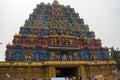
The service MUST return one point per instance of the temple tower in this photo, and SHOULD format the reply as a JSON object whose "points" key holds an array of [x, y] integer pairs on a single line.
{"points": [[55, 42]]}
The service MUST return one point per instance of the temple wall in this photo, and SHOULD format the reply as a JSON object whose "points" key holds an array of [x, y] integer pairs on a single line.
{"points": [[92, 70], [33, 70], [23, 72]]}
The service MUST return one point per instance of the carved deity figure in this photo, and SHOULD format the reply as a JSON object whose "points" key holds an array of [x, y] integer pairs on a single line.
{"points": [[64, 58]]}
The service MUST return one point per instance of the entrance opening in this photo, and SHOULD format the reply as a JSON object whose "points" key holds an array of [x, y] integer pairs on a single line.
{"points": [[66, 72]]}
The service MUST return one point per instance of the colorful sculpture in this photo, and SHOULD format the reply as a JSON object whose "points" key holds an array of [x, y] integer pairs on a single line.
{"points": [[55, 32]]}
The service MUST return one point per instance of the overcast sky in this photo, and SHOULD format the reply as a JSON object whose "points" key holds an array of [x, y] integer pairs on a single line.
{"points": [[102, 16]]}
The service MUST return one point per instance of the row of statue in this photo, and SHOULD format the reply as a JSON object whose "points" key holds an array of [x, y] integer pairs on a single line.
{"points": [[57, 56], [56, 31]]}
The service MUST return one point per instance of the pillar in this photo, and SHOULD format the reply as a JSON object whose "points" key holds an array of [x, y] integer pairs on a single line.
{"points": [[82, 71], [50, 72]]}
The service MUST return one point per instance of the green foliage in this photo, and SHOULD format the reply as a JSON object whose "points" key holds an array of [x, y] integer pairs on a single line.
{"points": [[115, 55]]}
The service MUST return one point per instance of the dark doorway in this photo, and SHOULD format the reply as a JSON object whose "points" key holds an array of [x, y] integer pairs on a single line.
{"points": [[66, 72]]}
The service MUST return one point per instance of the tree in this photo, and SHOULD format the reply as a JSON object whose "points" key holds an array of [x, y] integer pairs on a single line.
{"points": [[115, 55]]}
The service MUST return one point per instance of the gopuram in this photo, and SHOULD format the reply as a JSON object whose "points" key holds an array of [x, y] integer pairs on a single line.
{"points": [[55, 42]]}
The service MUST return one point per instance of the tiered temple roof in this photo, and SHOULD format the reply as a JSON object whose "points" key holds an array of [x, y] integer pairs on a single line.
{"points": [[55, 32]]}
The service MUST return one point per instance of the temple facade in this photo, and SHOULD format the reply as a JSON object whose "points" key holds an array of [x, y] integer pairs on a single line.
{"points": [[55, 42]]}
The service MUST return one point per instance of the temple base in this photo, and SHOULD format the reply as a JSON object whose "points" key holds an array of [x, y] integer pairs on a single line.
{"points": [[52, 69]]}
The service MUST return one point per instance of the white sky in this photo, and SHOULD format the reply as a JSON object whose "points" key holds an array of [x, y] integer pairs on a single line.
{"points": [[102, 16]]}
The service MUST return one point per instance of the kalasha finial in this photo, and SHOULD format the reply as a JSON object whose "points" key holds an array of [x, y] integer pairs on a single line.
{"points": [[55, 2]]}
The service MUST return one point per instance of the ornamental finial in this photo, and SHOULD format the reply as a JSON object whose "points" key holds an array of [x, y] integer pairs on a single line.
{"points": [[55, 2]]}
